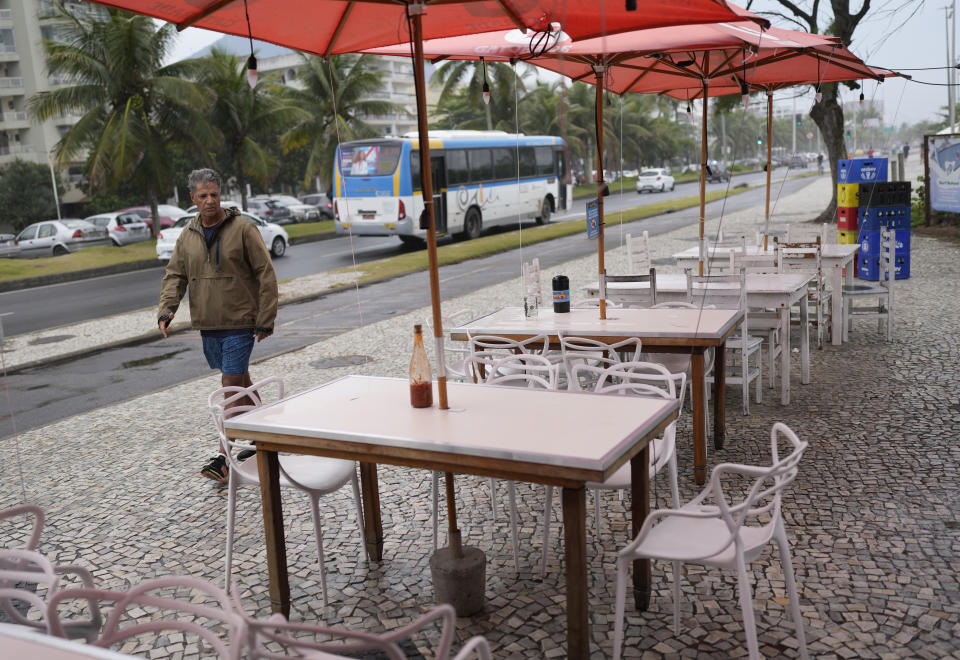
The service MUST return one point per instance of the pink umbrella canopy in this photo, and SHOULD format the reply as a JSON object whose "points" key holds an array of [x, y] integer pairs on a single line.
{"points": [[327, 27]]}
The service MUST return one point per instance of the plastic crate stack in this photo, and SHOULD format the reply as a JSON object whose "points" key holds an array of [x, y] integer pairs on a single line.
{"points": [[851, 174]]}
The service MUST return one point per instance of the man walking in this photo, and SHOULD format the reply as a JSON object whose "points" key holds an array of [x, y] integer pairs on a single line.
{"points": [[233, 288]]}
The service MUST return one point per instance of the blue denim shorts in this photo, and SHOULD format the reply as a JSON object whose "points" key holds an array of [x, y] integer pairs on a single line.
{"points": [[231, 355]]}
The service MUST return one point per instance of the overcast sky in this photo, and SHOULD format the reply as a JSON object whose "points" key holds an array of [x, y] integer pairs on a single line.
{"points": [[896, 34]]}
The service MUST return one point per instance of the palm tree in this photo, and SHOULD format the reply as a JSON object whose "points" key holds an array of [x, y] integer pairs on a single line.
{"points": [[133, 109], [463, 85], [335, 98], [247, 118]]}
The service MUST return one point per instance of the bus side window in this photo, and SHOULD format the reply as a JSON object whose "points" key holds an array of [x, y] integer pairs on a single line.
{"points": [[528, 162], [457, 171], [504, 164], [415, 170], [481, 165], [544, 156]]}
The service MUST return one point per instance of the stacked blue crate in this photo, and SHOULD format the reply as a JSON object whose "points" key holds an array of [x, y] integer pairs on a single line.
{"points": [[883, 204]]}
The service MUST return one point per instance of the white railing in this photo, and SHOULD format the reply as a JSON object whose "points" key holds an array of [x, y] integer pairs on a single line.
{"points": [[14, 116], [11, 82], [6, 14], [18, 149], [8, 48]]}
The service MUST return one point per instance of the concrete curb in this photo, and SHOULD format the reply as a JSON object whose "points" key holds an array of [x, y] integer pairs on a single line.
{"points": [[74, 275]]}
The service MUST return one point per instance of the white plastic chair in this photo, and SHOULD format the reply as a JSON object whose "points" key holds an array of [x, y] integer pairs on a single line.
{"points": [[729, 534], [882, 291], [314, 475], [730, 292], [584, 350], [168, 612], [318, 642], [636, 378], [455, 352], [638, 253]]}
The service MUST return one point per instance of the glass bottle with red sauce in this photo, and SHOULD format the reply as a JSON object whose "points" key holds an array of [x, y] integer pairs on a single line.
{"points": [[421, 380]]}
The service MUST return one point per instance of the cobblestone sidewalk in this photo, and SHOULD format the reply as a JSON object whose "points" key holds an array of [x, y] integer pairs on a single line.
{"points": [[872, 517]]}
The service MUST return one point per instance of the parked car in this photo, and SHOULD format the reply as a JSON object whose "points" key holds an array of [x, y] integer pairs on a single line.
{"points": [[322, 201], [224, 203], [274, 236], [57, 237], [797, 160], [655, 179], [300, 211], [9, 247], [270, 211], [123, 228], [168, 214], [717, 172]]}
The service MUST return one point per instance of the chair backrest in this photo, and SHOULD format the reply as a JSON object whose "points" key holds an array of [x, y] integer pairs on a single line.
{"points": [[532, 371], [25, 510], [804, 257], [755, 263], [503, 346], [639, 297], [275, 638], [530, 275], [226, 402], [579, 350], [638, 253], [723, 291], [26, 577], [188, 605], [454, 351]]}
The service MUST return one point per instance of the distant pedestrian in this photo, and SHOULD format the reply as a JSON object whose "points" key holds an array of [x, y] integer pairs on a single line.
{"points": [[820, 163], [906, 151], [870, 152], [233, 288]]}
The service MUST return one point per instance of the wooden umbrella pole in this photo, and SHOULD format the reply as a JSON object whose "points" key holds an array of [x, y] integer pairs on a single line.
{"points": [[599, 70], [766, 216], [703, 165], [453, 531], [426, 181]]}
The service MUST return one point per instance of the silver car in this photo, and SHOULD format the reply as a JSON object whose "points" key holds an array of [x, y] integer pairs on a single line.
{"points": [[301, 212], [9, 246], [57, 237], [123, 228]]}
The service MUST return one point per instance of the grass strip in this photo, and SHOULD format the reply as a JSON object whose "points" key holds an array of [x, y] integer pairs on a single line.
{"points": [[13, 269], [453, 253], [309, 228]]}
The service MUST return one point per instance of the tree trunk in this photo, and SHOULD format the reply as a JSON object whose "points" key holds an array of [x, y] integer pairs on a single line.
{"points": [[154, 211], [828, 115]]}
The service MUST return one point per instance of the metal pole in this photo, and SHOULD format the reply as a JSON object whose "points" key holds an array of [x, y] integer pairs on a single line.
{"points": [[703, 168], [53, 180], [794, 118], [953, 60], [946, 27], [766, 215], [599, 70]]}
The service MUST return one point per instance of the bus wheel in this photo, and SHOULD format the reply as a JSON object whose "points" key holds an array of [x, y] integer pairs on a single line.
{"points": [[413, 242], [472, 224], [545, 209]]}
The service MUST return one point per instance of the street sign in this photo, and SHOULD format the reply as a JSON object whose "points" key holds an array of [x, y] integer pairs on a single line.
{"points": [[593, 218], [809, 135]]}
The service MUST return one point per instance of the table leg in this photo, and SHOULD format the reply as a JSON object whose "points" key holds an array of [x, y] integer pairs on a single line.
{"points": [[268, 466], [805, 342], [640, 496], [575, 537], [719, 395], [699, 417], [372, 524], [836, 305], [785, 348]]}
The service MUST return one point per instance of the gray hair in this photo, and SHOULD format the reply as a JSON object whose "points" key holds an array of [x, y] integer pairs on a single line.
{"points": [[201, 177]]}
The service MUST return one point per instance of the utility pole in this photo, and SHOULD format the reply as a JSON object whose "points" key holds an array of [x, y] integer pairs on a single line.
{"points": [[793, 120], [948, 15]]}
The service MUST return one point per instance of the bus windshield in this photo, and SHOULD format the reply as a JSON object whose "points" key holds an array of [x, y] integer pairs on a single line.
{"points": [[369, 159]]}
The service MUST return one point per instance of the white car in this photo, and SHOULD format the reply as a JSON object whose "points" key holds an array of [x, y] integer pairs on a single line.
{"points": [[274, 236], [658, 179], [300, 211], [124, 228], [58, 237]]}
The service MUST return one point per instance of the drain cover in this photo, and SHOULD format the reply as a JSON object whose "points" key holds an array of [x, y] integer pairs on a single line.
{"points": [[53, 339], [342, 361]]}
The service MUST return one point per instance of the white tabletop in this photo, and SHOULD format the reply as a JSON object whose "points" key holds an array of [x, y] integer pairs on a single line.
{"points": [[677, 283], [710, 324], [828, 251], [20, 642], [577, 430]]}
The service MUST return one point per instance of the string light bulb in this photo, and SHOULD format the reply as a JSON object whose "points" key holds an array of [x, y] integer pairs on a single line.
{"points": [[745, 95], [818, 96], [861, 99], [486, 85], [252, 71], [689, 110]]}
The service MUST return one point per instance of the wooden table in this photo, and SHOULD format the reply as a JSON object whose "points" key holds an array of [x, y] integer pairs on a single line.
{"points": [[837, 266], [659, 330], [779, 291], [505, 432]]}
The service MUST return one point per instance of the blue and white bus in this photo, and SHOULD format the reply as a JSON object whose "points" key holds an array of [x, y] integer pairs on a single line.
{"points": [[476, 186]]}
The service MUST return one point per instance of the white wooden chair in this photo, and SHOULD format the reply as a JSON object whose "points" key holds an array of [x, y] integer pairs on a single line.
{"points": [[882, 291], [764, 323], [809, 233], [639, 297], [730, 292], [808, 258], [316, 476], [728, 533]]}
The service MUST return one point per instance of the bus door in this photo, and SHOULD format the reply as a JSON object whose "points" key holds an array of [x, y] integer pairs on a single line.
{"points": [[564, 177], [438, 170]]}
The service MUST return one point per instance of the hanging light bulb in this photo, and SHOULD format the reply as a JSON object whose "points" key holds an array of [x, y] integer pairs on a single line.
{"points": [[861, 99], [818, 96], [252, 71], [689, 110], [745, 94], [486, 85]]}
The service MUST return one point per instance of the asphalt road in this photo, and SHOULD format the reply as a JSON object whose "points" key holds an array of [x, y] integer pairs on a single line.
{"points": [[70, 302], [46, 394]]}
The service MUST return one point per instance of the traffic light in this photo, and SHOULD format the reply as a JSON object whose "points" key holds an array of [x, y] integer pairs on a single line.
{"points": [[759, 140], [798, 118]]}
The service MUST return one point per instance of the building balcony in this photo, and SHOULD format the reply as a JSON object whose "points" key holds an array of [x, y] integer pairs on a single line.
{"points": [[14, 120], [17, 149]]}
